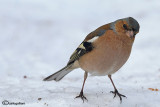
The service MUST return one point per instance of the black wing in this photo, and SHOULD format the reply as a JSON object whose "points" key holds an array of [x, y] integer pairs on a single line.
{"points": [[85, 46]]}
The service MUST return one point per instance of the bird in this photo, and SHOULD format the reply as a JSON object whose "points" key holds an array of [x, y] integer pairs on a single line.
{"points": [[102, 53]]}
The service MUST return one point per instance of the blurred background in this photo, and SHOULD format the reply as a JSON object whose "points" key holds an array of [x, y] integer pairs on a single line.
{"points": [[37, 37]]}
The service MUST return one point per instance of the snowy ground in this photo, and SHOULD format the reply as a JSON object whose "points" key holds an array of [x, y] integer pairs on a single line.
{"points": [[38, 36]]}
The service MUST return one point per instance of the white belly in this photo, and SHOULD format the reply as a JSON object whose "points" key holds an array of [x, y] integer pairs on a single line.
{"points": [[108, 71]]}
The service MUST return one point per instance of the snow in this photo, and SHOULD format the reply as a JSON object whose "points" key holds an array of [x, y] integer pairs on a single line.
{"points": [[37, 38]]}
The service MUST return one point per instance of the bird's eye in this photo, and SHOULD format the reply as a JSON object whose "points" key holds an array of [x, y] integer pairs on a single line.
{"points": [[125, 26]]}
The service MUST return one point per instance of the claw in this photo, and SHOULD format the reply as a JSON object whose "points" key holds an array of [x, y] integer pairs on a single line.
{"points": [[117, 93], [113, 93], [81, 96]]}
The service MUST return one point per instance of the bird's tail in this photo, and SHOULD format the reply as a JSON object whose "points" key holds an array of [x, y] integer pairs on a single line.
{"points": [[59, 74]]}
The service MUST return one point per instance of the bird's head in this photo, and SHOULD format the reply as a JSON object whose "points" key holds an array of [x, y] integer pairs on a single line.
{"points": [[128, 26]]}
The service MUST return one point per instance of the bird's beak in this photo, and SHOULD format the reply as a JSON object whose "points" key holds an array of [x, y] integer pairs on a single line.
{"points": [[130, 34]]}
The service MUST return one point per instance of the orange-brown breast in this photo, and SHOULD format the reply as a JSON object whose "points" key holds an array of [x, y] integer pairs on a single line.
{"points": [[110, 53]]}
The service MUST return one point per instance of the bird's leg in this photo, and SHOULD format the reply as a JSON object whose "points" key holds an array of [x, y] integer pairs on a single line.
{"points": [[81, 93], [115, 92]]}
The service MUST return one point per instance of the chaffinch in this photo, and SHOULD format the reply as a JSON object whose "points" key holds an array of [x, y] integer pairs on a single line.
{"points": [[103, 52]]}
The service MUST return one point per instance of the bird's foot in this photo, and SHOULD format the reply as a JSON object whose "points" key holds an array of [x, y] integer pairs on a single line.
{"points": [[81, 96], [117, 93]]}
